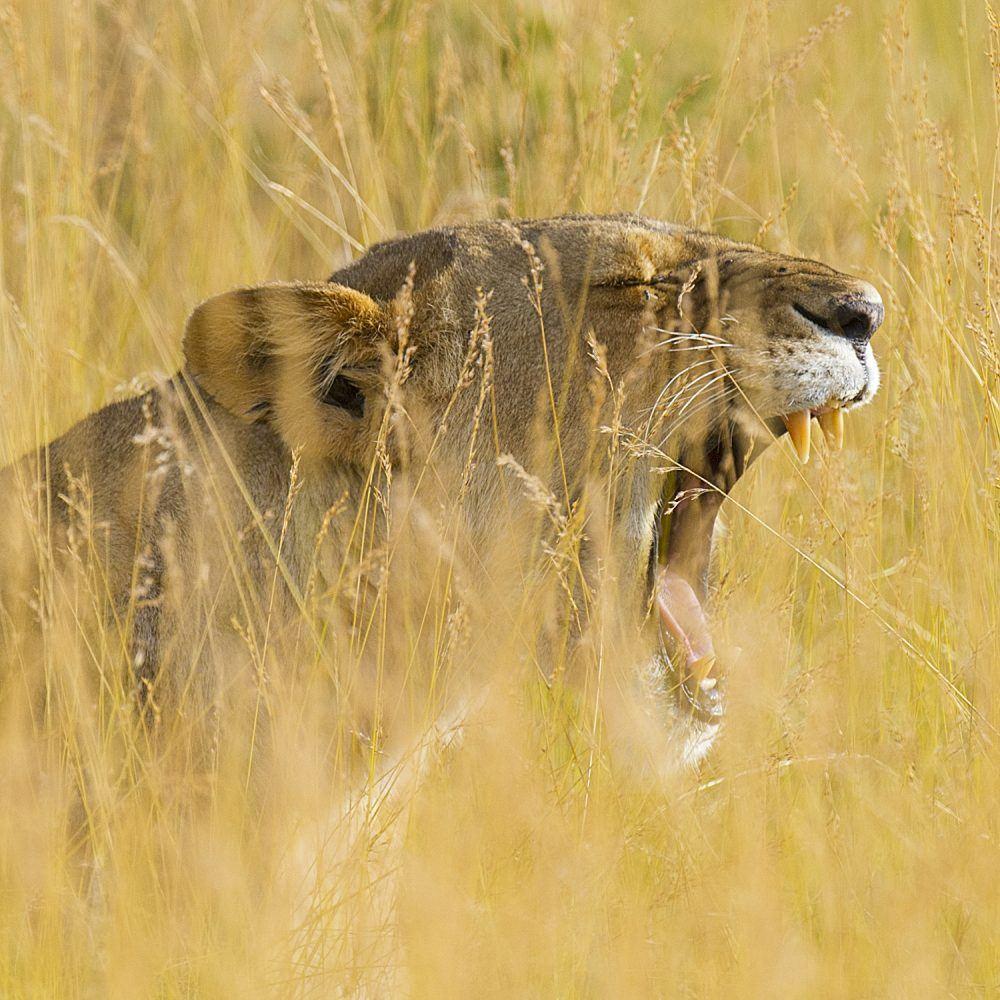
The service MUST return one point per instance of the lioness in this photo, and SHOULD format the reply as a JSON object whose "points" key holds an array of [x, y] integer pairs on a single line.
{"points": [[617, 371]]}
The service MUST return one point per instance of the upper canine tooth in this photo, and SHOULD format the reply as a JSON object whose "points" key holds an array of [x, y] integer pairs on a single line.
{"points": [[799, 431], [832, 423]]}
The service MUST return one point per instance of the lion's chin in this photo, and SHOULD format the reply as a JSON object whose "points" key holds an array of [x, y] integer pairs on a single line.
{"points": [[672, 714]]}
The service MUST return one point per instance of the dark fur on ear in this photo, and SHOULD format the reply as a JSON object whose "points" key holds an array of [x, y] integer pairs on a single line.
{"points": [[303, 356]]}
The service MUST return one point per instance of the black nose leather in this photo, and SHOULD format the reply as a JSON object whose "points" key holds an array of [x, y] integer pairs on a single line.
{"points": [[857, 319]]}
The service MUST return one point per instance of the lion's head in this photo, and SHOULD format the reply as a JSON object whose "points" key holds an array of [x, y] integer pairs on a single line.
{"points": [[647, 358]]}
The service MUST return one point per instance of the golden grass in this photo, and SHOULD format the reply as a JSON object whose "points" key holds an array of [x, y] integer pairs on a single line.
{"points": [[842, 838]]}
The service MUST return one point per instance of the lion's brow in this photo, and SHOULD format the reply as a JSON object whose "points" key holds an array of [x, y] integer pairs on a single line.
{"points": [[652, 281]]}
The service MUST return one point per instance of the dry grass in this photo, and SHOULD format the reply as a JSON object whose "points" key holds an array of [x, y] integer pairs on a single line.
{"points": [[842, 840]]}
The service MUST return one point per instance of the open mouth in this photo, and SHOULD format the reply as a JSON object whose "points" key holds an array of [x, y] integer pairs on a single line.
{"points": [[681, 551], [678, 563]]}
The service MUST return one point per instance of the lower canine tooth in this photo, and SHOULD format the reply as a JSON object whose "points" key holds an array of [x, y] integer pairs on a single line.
{"points": [[832, 423], [701, 670], [799, 430]]}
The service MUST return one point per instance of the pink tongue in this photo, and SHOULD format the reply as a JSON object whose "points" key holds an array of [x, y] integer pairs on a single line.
{"points": [[683, 617]]}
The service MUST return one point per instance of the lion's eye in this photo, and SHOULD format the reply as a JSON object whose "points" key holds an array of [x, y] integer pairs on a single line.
{"points": [[344, 393]]}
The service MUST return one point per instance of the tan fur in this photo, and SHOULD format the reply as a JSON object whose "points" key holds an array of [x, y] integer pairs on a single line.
{"points": [[191, 480], [257, 349]]}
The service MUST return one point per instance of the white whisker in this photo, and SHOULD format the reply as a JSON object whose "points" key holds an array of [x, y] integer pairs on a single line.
{"points": [[714, 400], [701, 390], [706, 394], [685, 387], [680, 374], [698, 347], [690, 335]]}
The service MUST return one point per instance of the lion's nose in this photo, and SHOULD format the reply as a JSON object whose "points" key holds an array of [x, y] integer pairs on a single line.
{"points": [[858, 316], [855, 316]]}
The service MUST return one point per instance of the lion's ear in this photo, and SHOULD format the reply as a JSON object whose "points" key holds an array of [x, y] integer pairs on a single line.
{"points": [[305, 357]]}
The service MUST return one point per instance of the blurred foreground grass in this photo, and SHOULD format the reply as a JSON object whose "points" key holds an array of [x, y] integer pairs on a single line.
{"points": [[842, 839]]}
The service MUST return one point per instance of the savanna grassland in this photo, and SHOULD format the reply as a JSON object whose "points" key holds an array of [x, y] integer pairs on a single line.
{"points": [[842, 838]]}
